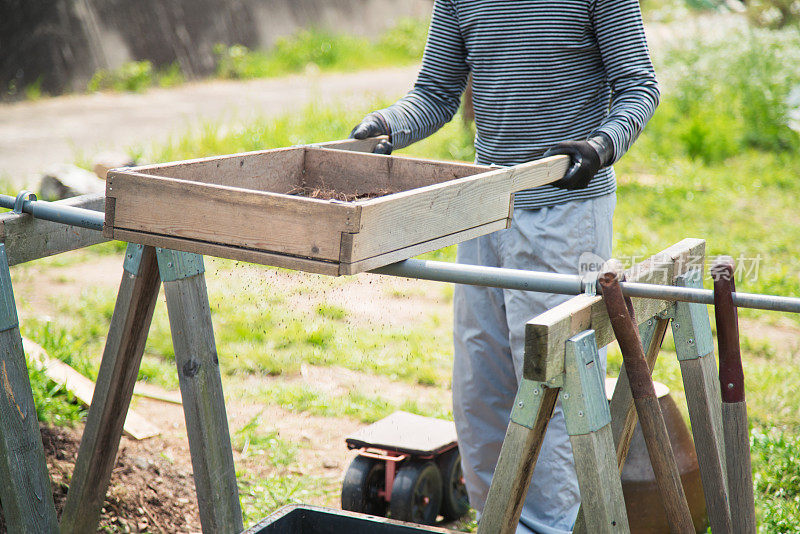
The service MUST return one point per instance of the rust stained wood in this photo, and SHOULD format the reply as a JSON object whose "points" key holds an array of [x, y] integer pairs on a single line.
{"points": [[547, 333], [116, 378], [440, 209], [29, 239], [25, 491], [25, 484], [221, 214]]}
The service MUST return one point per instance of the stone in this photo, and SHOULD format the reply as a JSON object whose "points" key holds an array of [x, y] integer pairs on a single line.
{"points": [[67, 180]]}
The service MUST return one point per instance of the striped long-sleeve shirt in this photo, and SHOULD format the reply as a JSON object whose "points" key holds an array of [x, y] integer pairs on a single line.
{"points": [[543, 72]]}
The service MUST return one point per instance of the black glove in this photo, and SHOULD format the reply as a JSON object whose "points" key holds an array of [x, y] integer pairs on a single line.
{"points": [[373, 125], [588, 157]]}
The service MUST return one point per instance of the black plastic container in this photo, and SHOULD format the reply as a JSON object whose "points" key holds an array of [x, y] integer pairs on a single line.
{"points": [[303, 519]]}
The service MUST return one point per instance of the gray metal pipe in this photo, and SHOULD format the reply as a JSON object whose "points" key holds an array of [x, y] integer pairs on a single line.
{"points": [[50, 211], [477, 275], [565, 284]]}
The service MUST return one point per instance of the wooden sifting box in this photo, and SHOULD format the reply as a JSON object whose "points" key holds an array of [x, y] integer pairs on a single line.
{"points": [[251, 207]]}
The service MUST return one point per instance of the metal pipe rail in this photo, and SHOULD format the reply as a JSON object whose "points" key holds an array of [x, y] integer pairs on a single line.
{"points": [[26, 202], [564, 284]]}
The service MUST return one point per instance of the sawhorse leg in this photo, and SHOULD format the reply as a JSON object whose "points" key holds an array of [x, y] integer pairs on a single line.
{"points": [[127, 335], [588, 424], [588, 421], [532, 410], [24, 481], [201, 391], [622, 410], [694, 346]]}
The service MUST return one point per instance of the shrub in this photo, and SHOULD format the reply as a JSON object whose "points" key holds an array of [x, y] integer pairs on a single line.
{"points": [[721, 98], [132, 76], [774, 13], [135, 76]]}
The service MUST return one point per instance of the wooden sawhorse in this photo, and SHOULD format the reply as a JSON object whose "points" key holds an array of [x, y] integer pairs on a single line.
{"points": [[26, 492], [561, 352], [201, 390]]}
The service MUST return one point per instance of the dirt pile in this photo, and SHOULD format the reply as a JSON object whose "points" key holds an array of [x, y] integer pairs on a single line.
{"points": [[148, 492]]}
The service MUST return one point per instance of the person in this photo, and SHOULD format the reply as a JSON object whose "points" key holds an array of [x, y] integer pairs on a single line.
{"points": [[567, 77]]}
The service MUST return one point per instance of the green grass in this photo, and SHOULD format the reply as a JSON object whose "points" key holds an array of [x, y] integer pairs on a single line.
{"points": [[324, 51], [353, 404], [261, 494]]}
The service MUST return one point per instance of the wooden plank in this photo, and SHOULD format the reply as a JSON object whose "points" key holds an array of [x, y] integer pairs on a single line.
{"points": [[25, 490], [346, 171], [150, 391], [547, 333], [221, 214], [136, 426], [588, 422], [512, 477], [694, 346], [662, 458], [740, 473], [278, 170], [623, 412], [29, 239], [24, 480], [602, 503], [225, 251], [119, 368], [702, 400], [203, 404], [420, 248], [394, 221], [654, 429]]}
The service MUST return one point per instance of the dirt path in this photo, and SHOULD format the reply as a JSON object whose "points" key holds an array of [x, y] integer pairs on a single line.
{"points": [[36, 135]]}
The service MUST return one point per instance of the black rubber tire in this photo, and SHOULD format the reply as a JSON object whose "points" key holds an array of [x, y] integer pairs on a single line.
{"points": [[455, 502], [363, 480], [416, 493]]}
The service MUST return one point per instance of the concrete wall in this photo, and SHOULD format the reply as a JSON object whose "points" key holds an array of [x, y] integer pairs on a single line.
{"points": [[65, 41]]}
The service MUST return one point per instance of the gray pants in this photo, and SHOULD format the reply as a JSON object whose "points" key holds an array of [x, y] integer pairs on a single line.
{"points": [[489, 339]]}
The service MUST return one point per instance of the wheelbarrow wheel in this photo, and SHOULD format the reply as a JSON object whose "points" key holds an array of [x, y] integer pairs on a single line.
{"points": [[455, 502], [363, 482], [417, 493]]}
